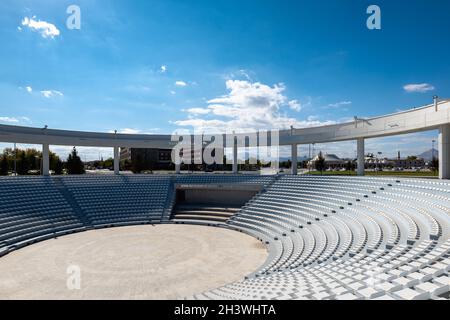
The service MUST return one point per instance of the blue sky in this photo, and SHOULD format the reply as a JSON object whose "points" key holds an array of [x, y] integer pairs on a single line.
{"points": [[158, 66]]}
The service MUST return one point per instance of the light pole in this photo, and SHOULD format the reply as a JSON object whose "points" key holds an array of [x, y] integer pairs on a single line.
{"points": [[432, 148], [379, 160], [15, 159]]}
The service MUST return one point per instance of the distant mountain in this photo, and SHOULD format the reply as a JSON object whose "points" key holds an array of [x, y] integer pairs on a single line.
{"points": [[429, 154], [299, 158]]}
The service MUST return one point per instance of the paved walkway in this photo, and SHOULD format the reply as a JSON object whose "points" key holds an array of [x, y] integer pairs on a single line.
{"points": [[141, 262]]}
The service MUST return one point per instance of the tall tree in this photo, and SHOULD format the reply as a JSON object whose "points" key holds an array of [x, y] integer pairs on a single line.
{"points": [[350, 166], [74, 163], [58, 168], [4, 166], [434, 164], [320, 163], [23, 164], [137, 163]]}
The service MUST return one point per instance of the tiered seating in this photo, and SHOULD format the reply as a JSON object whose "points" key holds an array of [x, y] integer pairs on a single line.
{"points": [[38, 208], [327, 237], [32, 209], [120, 200], [224, 178], [347, 238], [202, 214]]}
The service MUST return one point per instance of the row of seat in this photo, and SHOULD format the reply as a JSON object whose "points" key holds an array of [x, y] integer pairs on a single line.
{"points": [[33, 208], [327, 237], [38, 208], [333, 237], [225, 178]]}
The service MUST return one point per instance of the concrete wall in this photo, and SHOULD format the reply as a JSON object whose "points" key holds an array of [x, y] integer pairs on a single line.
{"points": [[218, 196]]}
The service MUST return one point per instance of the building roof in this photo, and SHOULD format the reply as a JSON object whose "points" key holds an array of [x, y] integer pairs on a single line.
{"points": [[329, 158]]}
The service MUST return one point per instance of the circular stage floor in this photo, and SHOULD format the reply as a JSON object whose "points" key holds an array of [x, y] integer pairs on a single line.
{"points": [[139, 262]]}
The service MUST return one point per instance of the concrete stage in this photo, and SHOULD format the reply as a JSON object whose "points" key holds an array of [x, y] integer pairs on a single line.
{"points": [[139, 262]]}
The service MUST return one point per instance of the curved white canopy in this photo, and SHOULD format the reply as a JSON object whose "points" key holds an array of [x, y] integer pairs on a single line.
{"points": [[419, 119]]}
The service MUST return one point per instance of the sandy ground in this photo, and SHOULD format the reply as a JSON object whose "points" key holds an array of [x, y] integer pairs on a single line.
{"points": [[139, 262]]}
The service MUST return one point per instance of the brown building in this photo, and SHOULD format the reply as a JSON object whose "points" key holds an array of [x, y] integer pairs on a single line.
{"points": [[149, 159]]}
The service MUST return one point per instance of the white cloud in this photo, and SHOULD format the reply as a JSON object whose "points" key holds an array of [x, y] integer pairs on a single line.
{"points": [[29, 89], [241, 74], [198, 111], [339, 104], [172, 92], [163, 69], [86, 153], [247, 106], [46, 29], [418, 87], [15, 120], [9, 119], [51, 93], [295, 105], [180, 83]]}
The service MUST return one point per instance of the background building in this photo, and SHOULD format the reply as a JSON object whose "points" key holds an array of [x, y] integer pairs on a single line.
{"points": [[146, 159], [331, 161]]}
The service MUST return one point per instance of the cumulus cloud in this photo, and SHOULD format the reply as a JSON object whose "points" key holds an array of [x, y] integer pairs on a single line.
{"points": [[163, 69], [198, 110], [46, 29], [180, 83], [295, 105], [15, 120], [51, 93], [339, 104], [418, 87], [9, 119], [29, 89], [247, 106]]}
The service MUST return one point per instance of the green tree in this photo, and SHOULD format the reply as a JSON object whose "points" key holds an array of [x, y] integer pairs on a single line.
{"points": [[320, 163], [54, 162], [4, 166], [350, 166], [58, 168], [74, 163], [23, 165], [137, 164], [434, 164], [108, 163]]}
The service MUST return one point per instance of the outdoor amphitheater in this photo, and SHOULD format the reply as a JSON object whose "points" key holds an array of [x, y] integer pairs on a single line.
{"points": [[229, 236]]}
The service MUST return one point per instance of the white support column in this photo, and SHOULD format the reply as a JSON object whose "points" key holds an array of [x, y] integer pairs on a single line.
{"points": [[45, 159], [360, 156], [235, 155], [444, 151], [116, 160], [294, 159], [177, 168]]}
